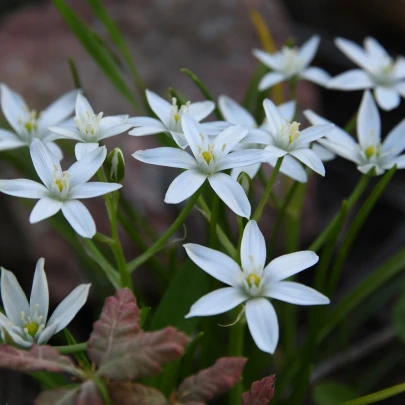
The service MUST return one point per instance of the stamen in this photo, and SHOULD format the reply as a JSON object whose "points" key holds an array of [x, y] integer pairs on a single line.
{"points": [[253, 279], [207, 156]]}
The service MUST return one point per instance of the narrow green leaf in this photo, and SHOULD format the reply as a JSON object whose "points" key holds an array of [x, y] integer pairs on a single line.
{"points": [[143, 314], [75, 73], [399, 318], [332, 393]]}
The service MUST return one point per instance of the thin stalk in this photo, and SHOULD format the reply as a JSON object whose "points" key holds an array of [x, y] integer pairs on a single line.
{"points": [[259, 209], [377, 396], [79, 347], [213, 223], [162, 241]]}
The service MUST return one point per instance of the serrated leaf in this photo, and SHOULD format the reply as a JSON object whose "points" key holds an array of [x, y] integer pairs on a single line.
{"points": [[260, 393], [89, 395], [38, 358], [60, 396], [399, 318], [215, 380], [332, 393], [126, 393]]}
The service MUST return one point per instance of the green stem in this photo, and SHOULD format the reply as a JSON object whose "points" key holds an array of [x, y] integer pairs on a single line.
{"points": [[258, 212], [79, 347], [378, 396], [162, 241], [213, 223], [353, 198]]}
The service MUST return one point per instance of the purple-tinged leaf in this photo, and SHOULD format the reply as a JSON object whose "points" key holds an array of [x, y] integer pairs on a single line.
{"points": [[38, 358], [89, 395], [142, 355], [201, 387], [118, 324], [260, 393], [126, 393], [60, 396]]}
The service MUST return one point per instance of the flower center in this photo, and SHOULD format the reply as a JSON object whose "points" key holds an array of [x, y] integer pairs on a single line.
{"points": [[253, 279], [288, 134], [32, 328], [177, 112], [30, 121], [207, 156], [89, 124], [291, 61], [370, 151], [62, 181]]}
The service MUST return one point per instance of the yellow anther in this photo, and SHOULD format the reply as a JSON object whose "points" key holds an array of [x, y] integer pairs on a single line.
{"points": [[60, 185], [31, 328], [370, 151], [223, 147], [176, 117], [207, 156], [30, 126], [293, 133], [253, 279]]}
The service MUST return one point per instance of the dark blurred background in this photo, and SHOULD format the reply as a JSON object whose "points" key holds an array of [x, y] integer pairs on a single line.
{"points": [[214, 39]]}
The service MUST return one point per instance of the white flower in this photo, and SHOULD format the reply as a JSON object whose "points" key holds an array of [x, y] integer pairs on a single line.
{"points": [[292, 63], [370, 151], [254, 283], [259, 137], [379, 71], [287, 139], [208, 161], [26, 323], [90, 128], [169, 118], [29, 124], [62, 189]]}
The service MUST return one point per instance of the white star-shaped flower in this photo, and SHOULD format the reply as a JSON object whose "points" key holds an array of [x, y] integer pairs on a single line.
{"points": [[169, 118], [378, 71], [30, 124], [208, 160], [369, 152], [292, 63], [26, 322], [254, 283], [62, 189], [287, 139], [88, 129]]}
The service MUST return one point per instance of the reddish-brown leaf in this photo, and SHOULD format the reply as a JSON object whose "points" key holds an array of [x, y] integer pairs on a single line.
{"points": [[260, 393], [126, 393], [60, 396], [215, 380], [142, 355], [38, 358], [89, 395], [118, 324]]}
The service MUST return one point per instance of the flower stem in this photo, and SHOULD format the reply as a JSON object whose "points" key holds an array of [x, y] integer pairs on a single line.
{"points": [[162, 241], [70, 349], [258, 212]]}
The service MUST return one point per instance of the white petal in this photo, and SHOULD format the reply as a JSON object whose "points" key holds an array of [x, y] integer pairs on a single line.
{"points": [[13, 297], [217, 302], [93, 189], [201, 109], [45, 163], [84, 148], [227, 139], [367, 167], [55, 150], [179, 138], [231, 193], [292, 168], [23, 188], [272, 61], [142, 131], [242, 158], [308, 50], [235, 113], [263, 324], [59, 110], [287, 265], [146, 126], [287, 110], [400, 162], [310, 159], [395, 140], [401, 88], [251, 171], [79, 218], [184, 186], [342, 149], [195, 139], [274, 152], [253, 247], [274, 119], [114, 130], [295, 293], [368, 122], [316, 75], [113, 121], [47, 333], [159, 106], [18, 340], [9, 140], [313, 133], [215, 263], [355, 53], [67, 132], [214, 127], [271, 79], [46, 207], [375, 49], [83, 170], [13, 107], [324, 154], [166, 156], [69, 307], [82, 107], [387, 98], [260, 136], [354, 79], [399, 68], [39, 299]]}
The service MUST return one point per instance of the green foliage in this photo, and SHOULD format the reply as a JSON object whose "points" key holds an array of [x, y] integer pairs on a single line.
{"points": [[332, 393]]}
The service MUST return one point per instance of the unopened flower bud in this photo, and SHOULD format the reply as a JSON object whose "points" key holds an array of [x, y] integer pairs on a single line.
{"points": [[115, 166]]}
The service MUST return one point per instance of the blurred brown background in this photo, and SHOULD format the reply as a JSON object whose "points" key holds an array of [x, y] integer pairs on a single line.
{"points": [[214, 39]]}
